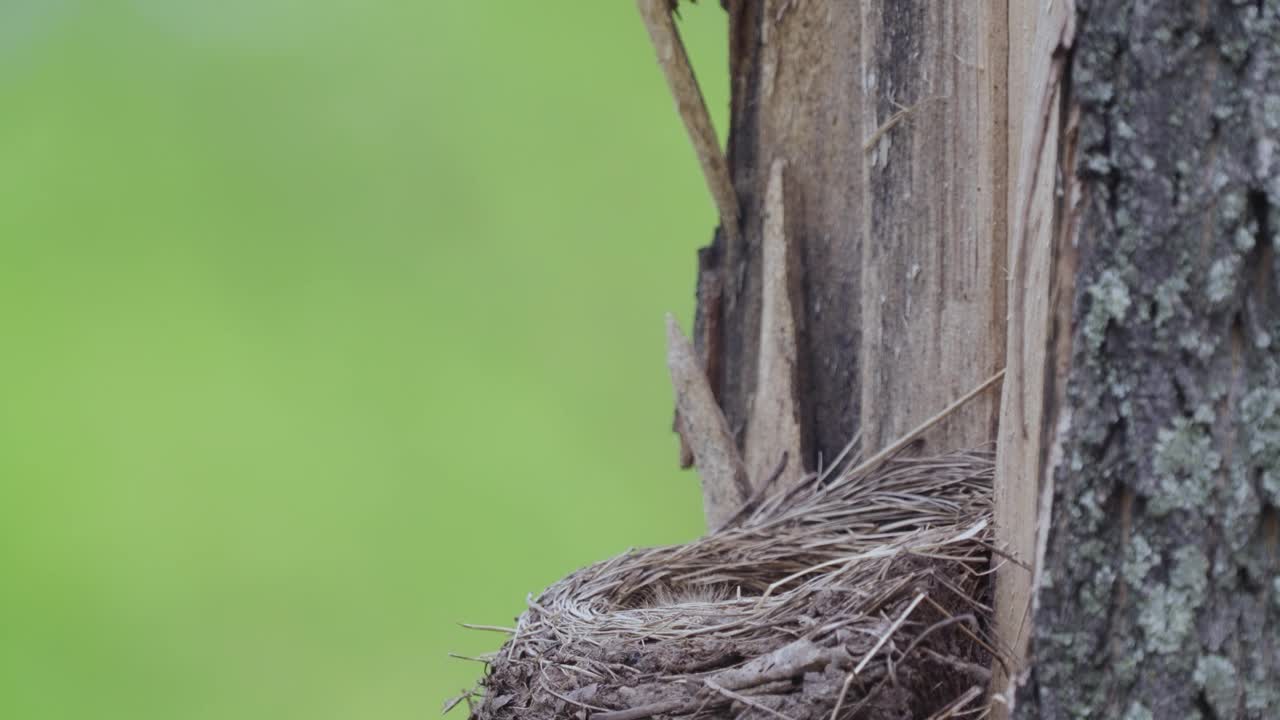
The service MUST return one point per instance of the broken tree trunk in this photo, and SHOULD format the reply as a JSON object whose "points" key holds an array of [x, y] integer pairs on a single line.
{"points": [[1088, 193], [889, 120]]}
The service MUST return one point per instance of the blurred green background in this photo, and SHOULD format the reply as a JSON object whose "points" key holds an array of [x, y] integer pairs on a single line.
{"points": [[326, 325]]}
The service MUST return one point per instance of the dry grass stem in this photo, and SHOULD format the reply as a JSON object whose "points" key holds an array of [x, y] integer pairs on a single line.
{"points": [[888, 634]]}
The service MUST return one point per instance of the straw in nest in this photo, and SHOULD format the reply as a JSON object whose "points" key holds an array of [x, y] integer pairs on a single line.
{"points": [[857, 594]]}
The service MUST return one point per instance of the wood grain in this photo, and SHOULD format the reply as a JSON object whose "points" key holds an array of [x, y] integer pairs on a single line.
{"points": [[725, 485], [902, 245], [773, 434], [1035, 75]]}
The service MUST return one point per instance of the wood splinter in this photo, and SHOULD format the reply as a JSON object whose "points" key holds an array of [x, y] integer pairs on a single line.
{"points": [[773, 431], [693, 110], [704, 428], [683, 84]]}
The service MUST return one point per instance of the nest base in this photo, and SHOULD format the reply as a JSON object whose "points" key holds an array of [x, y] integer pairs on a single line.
{"points": [[849, 597]]}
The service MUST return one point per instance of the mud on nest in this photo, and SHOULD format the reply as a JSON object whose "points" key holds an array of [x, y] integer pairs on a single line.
{"points": [[861, 594]]}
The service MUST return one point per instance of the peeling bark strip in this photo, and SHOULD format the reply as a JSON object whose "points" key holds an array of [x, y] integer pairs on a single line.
{"points": [[1159, 595]]}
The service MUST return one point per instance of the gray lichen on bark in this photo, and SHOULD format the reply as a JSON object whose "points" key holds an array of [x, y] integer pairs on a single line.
{"points": [[1159, 594]]}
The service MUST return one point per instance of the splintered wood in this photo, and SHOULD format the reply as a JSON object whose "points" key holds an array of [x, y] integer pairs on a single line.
{"points": [[692, 108], [724, 477], [1035, 98], [773, 442], [773, 435]]}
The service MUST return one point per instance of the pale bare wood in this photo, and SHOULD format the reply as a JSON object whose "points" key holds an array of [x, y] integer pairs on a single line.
{"points": [[720, 468], [933, 296], [773, 431], [692, 108], [1038, 32], [642, 712]]}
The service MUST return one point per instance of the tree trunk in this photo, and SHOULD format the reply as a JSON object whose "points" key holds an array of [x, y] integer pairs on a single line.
{"points": [[1089, 196], [1158, 593]]}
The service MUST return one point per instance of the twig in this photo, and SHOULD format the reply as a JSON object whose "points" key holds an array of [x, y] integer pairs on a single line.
{"points": [[693, 110], [980, 673], [789, 661], [892, 629], [640, 711], [744, 699], [950, 710], [570, 700], [844, 689], [1007, 556], [937, 626]]}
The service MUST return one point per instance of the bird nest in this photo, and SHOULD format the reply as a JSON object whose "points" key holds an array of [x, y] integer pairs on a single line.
{"points": [[861, 594]]}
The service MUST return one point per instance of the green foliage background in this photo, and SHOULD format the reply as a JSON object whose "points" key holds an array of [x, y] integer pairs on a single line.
{"points": [[325, 326]]}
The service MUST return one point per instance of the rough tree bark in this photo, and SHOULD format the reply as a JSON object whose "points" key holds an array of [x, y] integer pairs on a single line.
{"points": [[1158, 592], [1091, 194]]}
